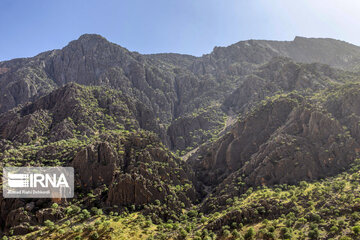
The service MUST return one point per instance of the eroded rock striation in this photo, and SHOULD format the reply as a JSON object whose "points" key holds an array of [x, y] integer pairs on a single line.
{"points": [[256, 113]]}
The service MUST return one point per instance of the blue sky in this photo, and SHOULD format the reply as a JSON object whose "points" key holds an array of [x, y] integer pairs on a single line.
{"points": [[183, 26]]}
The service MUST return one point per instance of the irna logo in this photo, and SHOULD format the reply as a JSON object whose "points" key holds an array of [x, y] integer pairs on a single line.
{"points": [[34, 180], [38, 182]]}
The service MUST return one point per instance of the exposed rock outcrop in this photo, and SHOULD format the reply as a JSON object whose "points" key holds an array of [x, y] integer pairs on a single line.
{"points": [[232, 151], [113, 115], [283, 141], [96, 165], [170, 86]]}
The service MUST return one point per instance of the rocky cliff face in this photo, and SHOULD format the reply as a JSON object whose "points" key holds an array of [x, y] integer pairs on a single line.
{"points": [[282, 75], [233, 150], [72, 110], [91, 60], [286, 139], [137, 170], [99, 132], [169, 85], [122, 120], [333, 52]]}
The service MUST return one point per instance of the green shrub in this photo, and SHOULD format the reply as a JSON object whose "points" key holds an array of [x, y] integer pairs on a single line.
{"points": [[86, 214], [94, 236], [334, 229], [314, 234], [75, 209], [356, 230], [192, 213], [235, 233], [250, 233], [49, 223], [226, 233], [345, 238]]}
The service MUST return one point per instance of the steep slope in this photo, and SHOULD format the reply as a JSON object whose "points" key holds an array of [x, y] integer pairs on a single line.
{"points": [[92, 60], [122, 120], [100, 133], [282, 75], [75, 109], [333, 52], [338, 54], [326, 209], [285, 139], [173, 86]]}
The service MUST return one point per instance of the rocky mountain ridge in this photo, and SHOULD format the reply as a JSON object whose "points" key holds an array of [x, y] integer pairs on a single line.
{"points": [[123, 119], [170, 85]]}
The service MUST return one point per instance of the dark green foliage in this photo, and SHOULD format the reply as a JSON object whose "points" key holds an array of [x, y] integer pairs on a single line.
{"points": [[250, 233]]}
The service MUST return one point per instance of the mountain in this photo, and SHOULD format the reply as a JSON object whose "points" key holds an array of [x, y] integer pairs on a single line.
{"points": [[252, 138], [335, 53]]}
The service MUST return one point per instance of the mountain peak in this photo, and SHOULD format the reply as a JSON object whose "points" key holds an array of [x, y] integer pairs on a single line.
{"points": [[299, 38], [90, 40], [91, 36], [243, 117]]}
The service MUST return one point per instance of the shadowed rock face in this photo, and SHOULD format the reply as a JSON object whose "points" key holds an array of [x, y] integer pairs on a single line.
{"points": [[137, 175], [233, 150], [174, 86], [74, 108], [92, 60], [112, 114], [96, 165], [134, 167], [279, 75], [283, 141], [310, 146]]}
